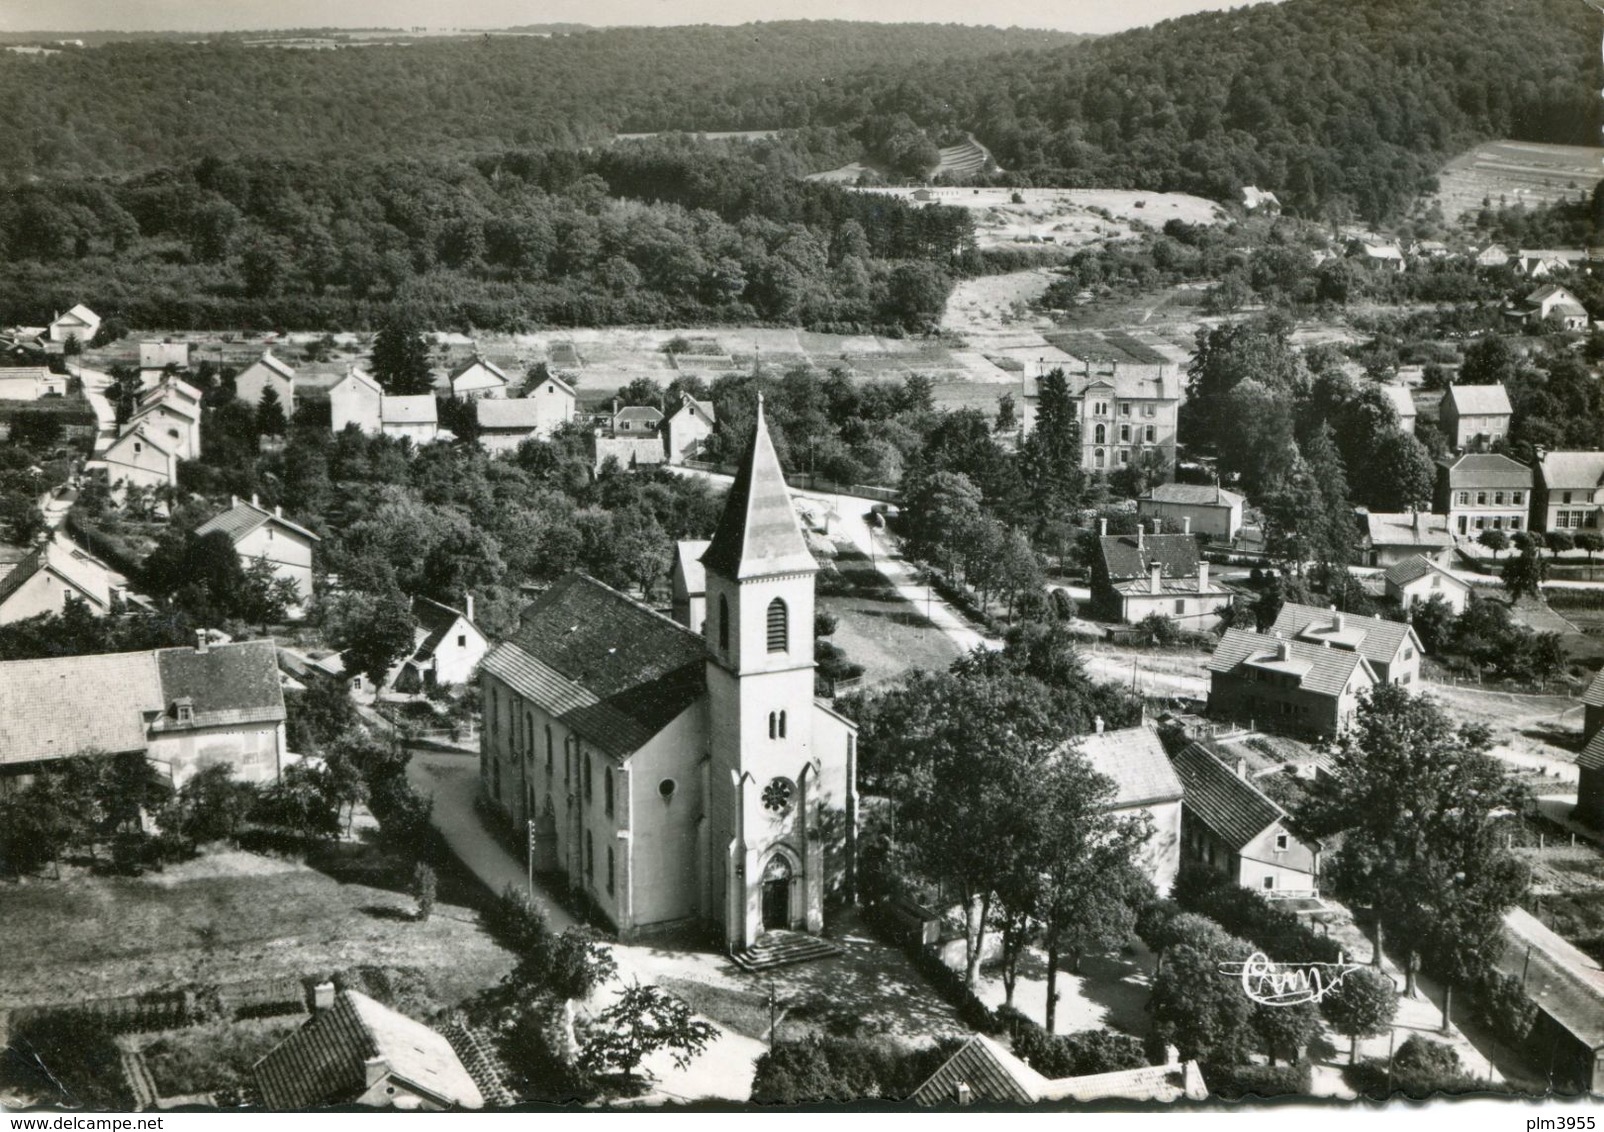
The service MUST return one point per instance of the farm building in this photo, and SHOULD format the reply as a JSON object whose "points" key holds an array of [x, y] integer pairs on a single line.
{"points": [[1567, 985]]}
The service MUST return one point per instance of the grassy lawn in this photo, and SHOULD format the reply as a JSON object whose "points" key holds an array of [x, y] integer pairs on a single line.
{"points": [[230, 917], [214, 1058], [877, 628]]}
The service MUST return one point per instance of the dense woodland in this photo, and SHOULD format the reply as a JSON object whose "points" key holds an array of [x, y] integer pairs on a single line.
{"points": [[1344, 107]]}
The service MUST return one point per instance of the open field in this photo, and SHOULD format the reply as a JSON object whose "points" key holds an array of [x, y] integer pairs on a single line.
{"points": [[1518, 173], [228, 917]]}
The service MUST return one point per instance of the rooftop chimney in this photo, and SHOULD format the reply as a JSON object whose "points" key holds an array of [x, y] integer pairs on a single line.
{"points": [[1202, 575], [1140, 531], [1186, 524], [1420, 522], [1102, 527], [1336, 622], [201, 642], [1099, 723], [1283, 651], [1242, 769], [469, 610], [233, 501], [278, 510], [1155, 577], [323, 996], [256, 500], [963, 1094]]}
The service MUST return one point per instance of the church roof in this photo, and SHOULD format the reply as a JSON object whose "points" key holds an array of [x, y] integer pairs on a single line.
{"points": [[758, 534]]}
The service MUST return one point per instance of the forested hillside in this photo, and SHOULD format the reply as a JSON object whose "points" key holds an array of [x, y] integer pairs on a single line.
{"points": [[130, 106]]}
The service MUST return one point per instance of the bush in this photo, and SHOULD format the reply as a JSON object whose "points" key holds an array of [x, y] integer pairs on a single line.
{"points": [[1500, 1004], [1243, 912], [66, 1058], [515, 921], [1237, 1082], [845, 1070], [1079, 1054], [1421, 1069]]}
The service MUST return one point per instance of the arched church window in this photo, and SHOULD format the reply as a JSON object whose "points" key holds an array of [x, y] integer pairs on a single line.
{"points": [[778, 796], [723, 623], [782, 725], [607, 790], [585, 769], [779, 626], [774, 725], [548, 749]]}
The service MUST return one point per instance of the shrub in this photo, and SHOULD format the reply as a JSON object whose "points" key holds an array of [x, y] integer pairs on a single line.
{"points": [[67, 1058], [1421, 1069], [1236, 1082], [1241, 911], [1079, 1054], [1501, 1004]]}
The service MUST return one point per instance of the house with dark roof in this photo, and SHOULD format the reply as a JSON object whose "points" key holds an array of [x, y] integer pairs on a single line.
{"points": [[1230, 826], [1144, 782], [1391, 647], [1203, 509], [53, 575], [1415, 581], [259, 533], [677, 777], [1568, 493], [1474, 416], [1387, 538], [1146, 573], [1482, 491], [1286, 685], [984, 1072], [267, 372], [447, 648], [182, 708], [477, 377], [355, 1051], [688, 428]]}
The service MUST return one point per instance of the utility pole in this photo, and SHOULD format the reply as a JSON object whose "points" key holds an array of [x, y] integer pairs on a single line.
{"points": [[530, 848], [773, 1013]]}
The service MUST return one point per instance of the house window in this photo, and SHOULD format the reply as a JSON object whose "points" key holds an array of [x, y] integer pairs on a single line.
{"points": [[1180, 605], [1514, 522], [1498, 498], [774, 725], [609, 872], [1517, 498], [549, 759], [529, 733], [495, 778], [607, 791], [590, 856], [1481, 499], [1124, 457], [138, 447], [1098, 459], [462, 640], [723, 623], [1149, 410], [1280, 843], [1100, 409], [1100, 434], [1124, 434], [495, 718], [779, 626], [1464, 499], [1564, 497], [1150, 433], [585, 769], [782, 725], [186, 712], [1269, 884], [1125, 409]]}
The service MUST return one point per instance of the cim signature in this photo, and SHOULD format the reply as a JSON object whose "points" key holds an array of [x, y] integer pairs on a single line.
{"points": [[1272, 984]]}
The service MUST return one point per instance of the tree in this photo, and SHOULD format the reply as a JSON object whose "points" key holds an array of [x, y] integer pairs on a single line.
{"points": [[423, 888], [1433, 622], [401, 358], [1007, 414], [1524, 574], [1592, 543], [916, 294], [645, 1019], [302, 802], [1362, 1006], [270, 420], [212, 804], [1157, 630], [1285, 1029], [374, 630], [1194, 1008], [1494, 541], [265, 598], [1414, 798], [1050, 457]]}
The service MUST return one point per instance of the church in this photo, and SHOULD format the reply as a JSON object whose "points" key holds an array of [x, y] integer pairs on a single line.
{"points": [[682, 774]]}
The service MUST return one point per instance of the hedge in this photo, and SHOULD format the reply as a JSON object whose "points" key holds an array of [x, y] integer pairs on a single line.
{"points": [[947, 982], [1243, 912]]}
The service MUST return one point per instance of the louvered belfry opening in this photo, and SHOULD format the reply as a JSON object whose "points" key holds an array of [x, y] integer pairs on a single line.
{"points": [[778, 626]]}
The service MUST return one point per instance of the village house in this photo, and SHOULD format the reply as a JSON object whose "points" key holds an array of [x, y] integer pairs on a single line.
{"points": [[357, 399], [184, 709], [688, 429], [55, 574], [355, 1051], [1415, 581], [1554, 304], [1200, 509], [1493, 255], [688, 584], [1568, 494], [155, 357], [447, 647], [1230, 826], [675, 777], [257, 532], [267, 372], [1482, 491], [983, 1072], [171, 411], [1539, 263], [1389, 537], [30, 383], [1383, 257], [415, 418], [505, 424], [1125, 412], [477, 378], [1474, 416], [1391, 647], [635, 420], [1144, 782], [80, 323], [1278, 684], [1403, 402], [139, 458], [1146, 573]]}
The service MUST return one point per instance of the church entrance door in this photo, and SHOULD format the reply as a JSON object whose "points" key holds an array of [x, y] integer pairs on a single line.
{"points": [[777, 894]]}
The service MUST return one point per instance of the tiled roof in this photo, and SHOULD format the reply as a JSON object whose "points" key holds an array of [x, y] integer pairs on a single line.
{"points": [[490, 367], [689, 555], [758, 532], [1146, 1083], [1583, 470], [1570, 982], [358, 376], [703, 409], [1129, 556], [434, 622], [1194, 494], [1134, 758], [1594, 696], [63, 706], [1548, 291], [1402, 400], [244, 517], [648, 413], [170, 396], [227, 684], [1487, 469], [993, 1075], [273, 363], [1376, 638], [1477, 400], [325, 1061], [603, 664], [1233, 808], [1416, 567], [508, 413], [88, 578], [1131, 382], [1408, 528], [416, 409], [1592, 756], [81, 313], [1325, 671]]}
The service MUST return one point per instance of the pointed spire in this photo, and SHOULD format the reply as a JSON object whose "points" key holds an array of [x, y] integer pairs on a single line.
{"points": [[758, 534]]}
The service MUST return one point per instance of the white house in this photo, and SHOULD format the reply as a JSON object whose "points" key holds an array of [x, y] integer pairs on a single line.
{"points": [[80, 323], [688, 429], [1555, 304], [267, 372], [140, 457], [1230, 826], [1203, 509], [1403, 402], [414, 417], [1144, 782], [56, 573], [505, 424], [30, 383], [356, 399], [477, 378], [257, 532], [1417, 580], [155, 357], [171, 411], [447, 648]]}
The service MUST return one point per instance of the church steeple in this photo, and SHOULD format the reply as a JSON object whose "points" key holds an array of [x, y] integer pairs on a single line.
{"points": [[758, 535]]}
